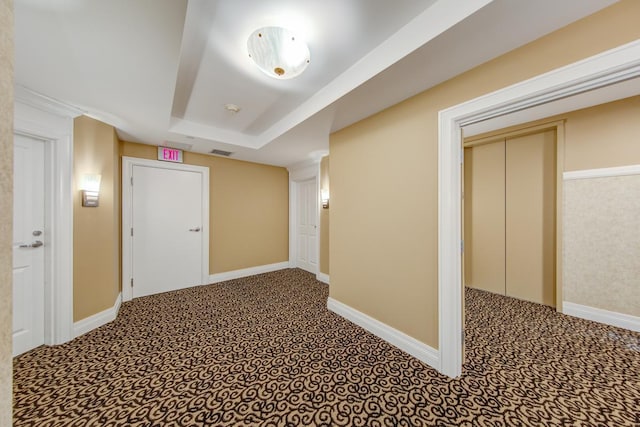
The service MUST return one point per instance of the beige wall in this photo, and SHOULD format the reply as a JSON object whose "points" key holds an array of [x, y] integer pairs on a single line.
{"points": [[249, 209], [384, 208], [615, 124], [324, 218], [6, 209], [601, 255], [96, 253], [603, 136]]}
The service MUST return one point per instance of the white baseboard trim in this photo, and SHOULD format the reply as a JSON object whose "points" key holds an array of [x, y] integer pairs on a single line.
{"points": [[245, 272], [404, 342], [612, 318], [90, 323], [322, 277]]}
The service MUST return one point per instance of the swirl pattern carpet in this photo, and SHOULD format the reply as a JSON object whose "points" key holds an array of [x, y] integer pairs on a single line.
{"points": [[264, 351]]}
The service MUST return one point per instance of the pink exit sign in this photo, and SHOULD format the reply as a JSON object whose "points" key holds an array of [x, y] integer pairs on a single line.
{"points": [[169, 154]]}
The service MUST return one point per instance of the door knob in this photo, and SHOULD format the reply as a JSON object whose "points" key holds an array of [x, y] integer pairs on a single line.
{"points": [[37, 233], [35, 244], [195, 229]]}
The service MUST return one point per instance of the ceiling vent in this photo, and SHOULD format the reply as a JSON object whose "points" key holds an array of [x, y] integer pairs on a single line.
{"points": [[221, 152]]}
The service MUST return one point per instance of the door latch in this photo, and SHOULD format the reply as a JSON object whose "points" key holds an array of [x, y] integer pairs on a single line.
{"points": [[35, 244]]}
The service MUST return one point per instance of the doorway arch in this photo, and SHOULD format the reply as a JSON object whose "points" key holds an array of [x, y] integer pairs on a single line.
{"points": [[608, 68]]}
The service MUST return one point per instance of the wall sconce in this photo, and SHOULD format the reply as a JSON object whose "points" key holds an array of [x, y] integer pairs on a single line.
{"points": [[325, 198], [90, 187]]}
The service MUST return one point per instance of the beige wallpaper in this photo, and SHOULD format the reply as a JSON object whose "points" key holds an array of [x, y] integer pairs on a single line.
{"points": [[324, 217], [384, 222], [96, 250], [601, 253], [249, 209], [6, 209]]}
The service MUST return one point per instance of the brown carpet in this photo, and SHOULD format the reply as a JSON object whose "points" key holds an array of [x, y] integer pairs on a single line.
{"points": [[265, 351]]}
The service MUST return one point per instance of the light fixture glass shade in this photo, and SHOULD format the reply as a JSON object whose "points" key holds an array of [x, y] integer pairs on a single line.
{"points": [[90, 186], [324, 195], [278, 52], [91, 182]]}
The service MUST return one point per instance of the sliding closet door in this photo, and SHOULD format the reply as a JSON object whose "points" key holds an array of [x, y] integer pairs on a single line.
{"points": [[484, 217], [530, 217]]}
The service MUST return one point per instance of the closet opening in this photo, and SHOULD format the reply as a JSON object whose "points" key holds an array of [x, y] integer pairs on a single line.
{"points": [[511, 206], [511, 217]]}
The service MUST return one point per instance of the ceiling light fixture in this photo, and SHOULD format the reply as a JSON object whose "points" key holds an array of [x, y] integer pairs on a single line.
{"points": [[278, 52]]}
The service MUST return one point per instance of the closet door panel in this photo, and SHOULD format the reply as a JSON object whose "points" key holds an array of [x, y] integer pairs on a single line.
{"points": [[530, 217], [484, 204]]}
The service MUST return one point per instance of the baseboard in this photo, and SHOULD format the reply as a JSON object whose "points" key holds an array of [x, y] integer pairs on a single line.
{"points": [[324, 278], [404, 342], [90, 323], [245, 272], [612, 318]]}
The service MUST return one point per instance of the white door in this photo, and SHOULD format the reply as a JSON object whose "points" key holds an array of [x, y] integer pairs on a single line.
{"points": [[168, 229], [28, 244], [307, 238]]}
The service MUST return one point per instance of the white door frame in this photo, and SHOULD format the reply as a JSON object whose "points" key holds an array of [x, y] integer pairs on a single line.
{"points": [[127, 203], [613, 66], [301, 173], [39, 117]]}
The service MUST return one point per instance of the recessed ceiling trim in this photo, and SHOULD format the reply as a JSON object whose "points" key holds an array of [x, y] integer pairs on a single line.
{"points": [[438, 18], [199, 130], [187, 68], [198, 15]]}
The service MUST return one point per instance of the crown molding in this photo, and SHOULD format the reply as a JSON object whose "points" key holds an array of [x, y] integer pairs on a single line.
{"points": [[45, 103]]}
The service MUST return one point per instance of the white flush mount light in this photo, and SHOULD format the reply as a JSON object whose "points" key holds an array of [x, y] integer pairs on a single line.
{"points": [[278, 52]]}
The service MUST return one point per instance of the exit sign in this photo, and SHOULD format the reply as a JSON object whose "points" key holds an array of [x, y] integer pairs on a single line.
{"points": [[168, 154]]}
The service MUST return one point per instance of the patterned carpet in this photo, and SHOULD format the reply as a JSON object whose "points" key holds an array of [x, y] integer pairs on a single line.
{"points": [[265, 351]]}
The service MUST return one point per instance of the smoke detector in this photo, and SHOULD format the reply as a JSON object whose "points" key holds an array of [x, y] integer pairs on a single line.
{"points": [[232, 108]]}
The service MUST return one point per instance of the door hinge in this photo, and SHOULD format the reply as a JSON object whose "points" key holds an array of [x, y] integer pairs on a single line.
{"points": [[132, 282], [132, 231], [131, 180], [462, 156], [463, 336], [462, 246]]}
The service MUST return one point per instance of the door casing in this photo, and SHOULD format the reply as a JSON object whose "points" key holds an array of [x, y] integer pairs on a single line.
{"points": [[613, 66], [127, 174], [41, 118], [296, 176], [312, 262]]}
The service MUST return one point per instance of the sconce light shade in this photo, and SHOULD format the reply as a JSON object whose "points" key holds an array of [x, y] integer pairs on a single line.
{"points": [[90, 187], [325, 198], [278, 52]]}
